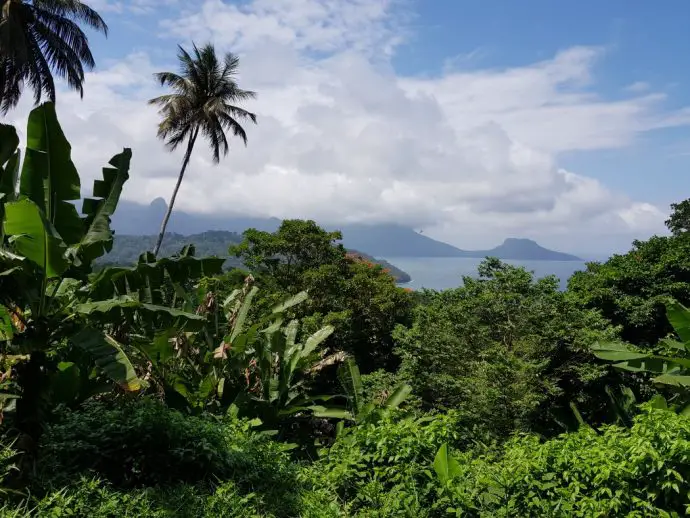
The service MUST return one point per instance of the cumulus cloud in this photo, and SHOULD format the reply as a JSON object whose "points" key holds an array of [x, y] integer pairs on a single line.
{"points": [[472, 157]]}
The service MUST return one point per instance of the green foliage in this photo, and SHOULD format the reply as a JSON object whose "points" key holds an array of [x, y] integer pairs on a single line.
{"points": [[630, 290], [129, 459], [679, 221], [360, 410], [510, 351], [8, 466], [357, 297], [670, 367], [133, 443], [286, 255], [638, 471], [386, 465], [253, 365]]}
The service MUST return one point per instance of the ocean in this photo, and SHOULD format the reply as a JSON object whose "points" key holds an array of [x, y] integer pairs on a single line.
{"points": [[440, 273]]}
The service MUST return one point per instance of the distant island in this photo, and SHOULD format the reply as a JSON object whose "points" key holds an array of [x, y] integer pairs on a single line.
{"points": [[524, 249], [379, 240], [127, 248]]}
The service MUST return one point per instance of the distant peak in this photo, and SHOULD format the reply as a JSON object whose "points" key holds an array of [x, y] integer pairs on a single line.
{"points": [[519, 240], [159, 203]]}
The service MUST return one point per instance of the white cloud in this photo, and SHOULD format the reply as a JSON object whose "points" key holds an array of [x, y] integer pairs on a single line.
{"points": [[128, 6], [472, 157], [638, 87], [310, 25]]}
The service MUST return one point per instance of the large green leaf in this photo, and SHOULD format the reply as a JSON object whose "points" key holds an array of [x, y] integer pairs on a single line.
{"points": [[241, 315], [98, 239], [35, 238], [292, 301], [673, 380], [109, 356], [316, 339], [398, 396], [49, 177], [654, 364], [329, 413], [679, 317], [149, 279], [350, 379], [615, 351], [445, 466], [112, 308]]}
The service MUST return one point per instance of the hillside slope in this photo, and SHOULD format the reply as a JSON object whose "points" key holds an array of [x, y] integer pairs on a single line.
{"points": [[127, 248]]}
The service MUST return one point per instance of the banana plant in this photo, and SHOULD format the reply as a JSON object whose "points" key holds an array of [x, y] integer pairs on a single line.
{"points": [[360, 411], [671, 368], [252, 365], [47, 306]]}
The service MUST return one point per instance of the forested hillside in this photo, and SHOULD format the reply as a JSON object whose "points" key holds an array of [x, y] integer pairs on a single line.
{"points": [[127, 249]]}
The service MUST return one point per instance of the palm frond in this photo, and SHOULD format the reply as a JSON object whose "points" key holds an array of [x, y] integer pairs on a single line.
{"points": [[73, 9], [70, 34], [41, 38]]}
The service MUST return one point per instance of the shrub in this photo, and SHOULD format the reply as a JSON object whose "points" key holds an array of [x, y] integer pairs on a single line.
{"points": [[638, 471], [134, 443], [385, 465], [140, 450]]}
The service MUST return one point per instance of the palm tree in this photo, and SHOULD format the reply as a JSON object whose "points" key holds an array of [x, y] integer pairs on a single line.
{"points": [[204, 93], [39, 38]]}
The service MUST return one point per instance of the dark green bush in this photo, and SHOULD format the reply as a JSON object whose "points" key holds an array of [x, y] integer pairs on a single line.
{"points": [[142, 444], [135, 443]]}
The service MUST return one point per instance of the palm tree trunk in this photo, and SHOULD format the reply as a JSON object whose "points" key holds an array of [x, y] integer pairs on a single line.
{"points": [[185, 162]]}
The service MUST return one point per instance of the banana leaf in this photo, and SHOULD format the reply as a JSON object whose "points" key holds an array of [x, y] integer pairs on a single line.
{"points": [[109, 357], [49, 177]]}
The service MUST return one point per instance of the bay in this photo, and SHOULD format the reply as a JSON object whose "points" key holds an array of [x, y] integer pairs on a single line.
{"points": [[440, 273]]}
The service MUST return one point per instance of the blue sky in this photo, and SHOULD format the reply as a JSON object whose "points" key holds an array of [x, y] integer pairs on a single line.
{"points": [[645, 42], [567, 122]]}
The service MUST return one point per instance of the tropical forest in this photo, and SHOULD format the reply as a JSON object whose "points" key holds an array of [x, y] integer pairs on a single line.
{"points": [[304, 381]]}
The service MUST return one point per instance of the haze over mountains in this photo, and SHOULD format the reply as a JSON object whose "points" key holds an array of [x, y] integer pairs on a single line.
{"points": [[379, 240]]}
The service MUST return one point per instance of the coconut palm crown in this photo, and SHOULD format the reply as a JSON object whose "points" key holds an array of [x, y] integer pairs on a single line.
{"points": [[40, 39]]}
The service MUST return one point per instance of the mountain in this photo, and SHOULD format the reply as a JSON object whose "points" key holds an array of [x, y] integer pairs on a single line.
{"points": [[525, 249], [377, 240], [142, 220], [127, 248]]}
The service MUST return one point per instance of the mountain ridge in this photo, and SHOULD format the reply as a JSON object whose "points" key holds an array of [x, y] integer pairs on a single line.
{"points": [[377, 240], [127, 248]]}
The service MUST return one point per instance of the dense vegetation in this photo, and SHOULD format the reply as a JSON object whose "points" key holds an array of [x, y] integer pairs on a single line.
{"points": [[127, 249], [310, 384]]}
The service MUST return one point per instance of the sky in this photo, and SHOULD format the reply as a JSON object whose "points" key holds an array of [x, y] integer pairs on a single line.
{"points": [[564, 122]]}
